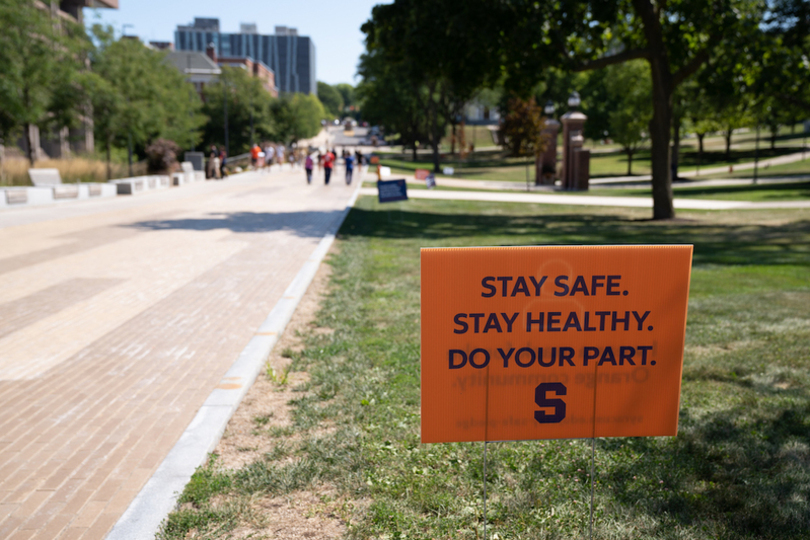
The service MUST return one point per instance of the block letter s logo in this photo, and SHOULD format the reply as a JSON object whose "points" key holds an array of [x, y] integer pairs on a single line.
{"points": [[542, 401]]}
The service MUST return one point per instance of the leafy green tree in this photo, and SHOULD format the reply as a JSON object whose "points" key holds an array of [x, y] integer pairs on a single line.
{"points": [[347, 93], [778, 67], [386, 101], [137, 97], [297, 116], [628, 88], [442, 60], [331, 99], [247, 105], [675, 38], [40, 68], [700, 112]]}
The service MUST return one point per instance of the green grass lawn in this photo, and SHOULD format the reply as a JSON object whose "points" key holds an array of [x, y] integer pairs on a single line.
{"points": [[748, 192], [787, 191], [491, 165], [738, 469], [797, 168]]}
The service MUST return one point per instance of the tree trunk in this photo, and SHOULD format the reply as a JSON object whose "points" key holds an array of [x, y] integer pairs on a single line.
{"points": [[659, 136], [453, 140], [663, 86], [729, 131], [700, 151], [774, 133], [435, 139], [29, 143], [676, 146], [413, 154], [629, 161]]}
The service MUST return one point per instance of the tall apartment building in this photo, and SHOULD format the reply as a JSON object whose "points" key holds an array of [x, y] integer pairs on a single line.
{"points": [[290, 56]]}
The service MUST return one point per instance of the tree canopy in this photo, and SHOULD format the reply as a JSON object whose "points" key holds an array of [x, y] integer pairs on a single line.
{"points": [[297, 116], [247, 105], [445, 50], [331, 98], [628, 86], [41, 66], [137, 96], [436, 50]]}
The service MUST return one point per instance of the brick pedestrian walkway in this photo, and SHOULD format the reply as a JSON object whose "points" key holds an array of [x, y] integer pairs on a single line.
{"points": [[118, 318]]}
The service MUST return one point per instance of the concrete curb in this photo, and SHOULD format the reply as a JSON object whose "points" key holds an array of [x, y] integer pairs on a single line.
{"points": [[143, 517]]}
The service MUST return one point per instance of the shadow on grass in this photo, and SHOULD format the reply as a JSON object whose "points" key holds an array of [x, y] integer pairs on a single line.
{"points": [[754, 474], [714, 244]]}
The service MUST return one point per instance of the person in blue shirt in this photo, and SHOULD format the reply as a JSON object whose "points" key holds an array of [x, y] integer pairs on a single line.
{"points": [[349, 159]]}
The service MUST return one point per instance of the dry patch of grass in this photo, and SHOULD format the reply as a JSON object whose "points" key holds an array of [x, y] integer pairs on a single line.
{"points": [[261, 431], [77, 169]]}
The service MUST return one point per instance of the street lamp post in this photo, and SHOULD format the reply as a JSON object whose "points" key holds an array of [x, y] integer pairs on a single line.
{"points": [[251, 120], [225, 110]]}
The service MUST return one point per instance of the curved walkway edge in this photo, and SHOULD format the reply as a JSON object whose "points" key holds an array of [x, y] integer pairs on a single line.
{"points": [[156, 500]]}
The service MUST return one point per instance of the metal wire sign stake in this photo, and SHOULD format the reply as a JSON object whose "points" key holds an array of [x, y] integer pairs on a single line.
{"points": [[552, 342]]}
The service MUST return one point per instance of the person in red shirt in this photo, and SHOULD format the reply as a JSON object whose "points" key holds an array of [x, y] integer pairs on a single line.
{"points": [[328, 163]]}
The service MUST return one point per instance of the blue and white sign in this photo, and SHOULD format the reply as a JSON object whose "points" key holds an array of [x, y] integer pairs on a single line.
{"points": [[392, 190]]}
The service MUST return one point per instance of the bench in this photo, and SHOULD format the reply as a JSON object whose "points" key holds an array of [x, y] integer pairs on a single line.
{"points": [[16, 196], [52, 179], [139, 184], [45, 177]]}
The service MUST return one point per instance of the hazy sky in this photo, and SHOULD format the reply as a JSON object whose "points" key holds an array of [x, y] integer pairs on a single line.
{"points": [[334, 26]]}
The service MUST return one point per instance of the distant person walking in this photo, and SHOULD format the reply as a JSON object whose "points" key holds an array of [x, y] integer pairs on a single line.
{"points": [[217, 164], [308, 168], [281, 151], [269, 154], [211, 167], [349, 159], [328, 163], [254, 156], [223, 158]]}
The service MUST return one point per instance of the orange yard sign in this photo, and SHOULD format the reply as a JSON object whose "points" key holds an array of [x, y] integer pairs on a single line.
{"points": [[421, 174], [522, 343]]}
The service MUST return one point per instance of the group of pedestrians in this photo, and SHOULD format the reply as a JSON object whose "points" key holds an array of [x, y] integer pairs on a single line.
{"points": [[217, 158], [271, 154], [327, 160]]}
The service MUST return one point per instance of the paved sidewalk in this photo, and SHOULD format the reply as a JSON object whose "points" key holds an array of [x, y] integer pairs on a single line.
{"points": [[587, 200], [499, 185], [118, 318]]}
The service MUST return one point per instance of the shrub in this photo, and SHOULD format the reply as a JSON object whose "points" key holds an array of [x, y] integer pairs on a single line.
{"points": [[522, 128], [161, 156]]}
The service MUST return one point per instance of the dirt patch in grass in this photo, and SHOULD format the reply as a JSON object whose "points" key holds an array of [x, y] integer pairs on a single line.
{"points": [[313, 514], [300, 515]]}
